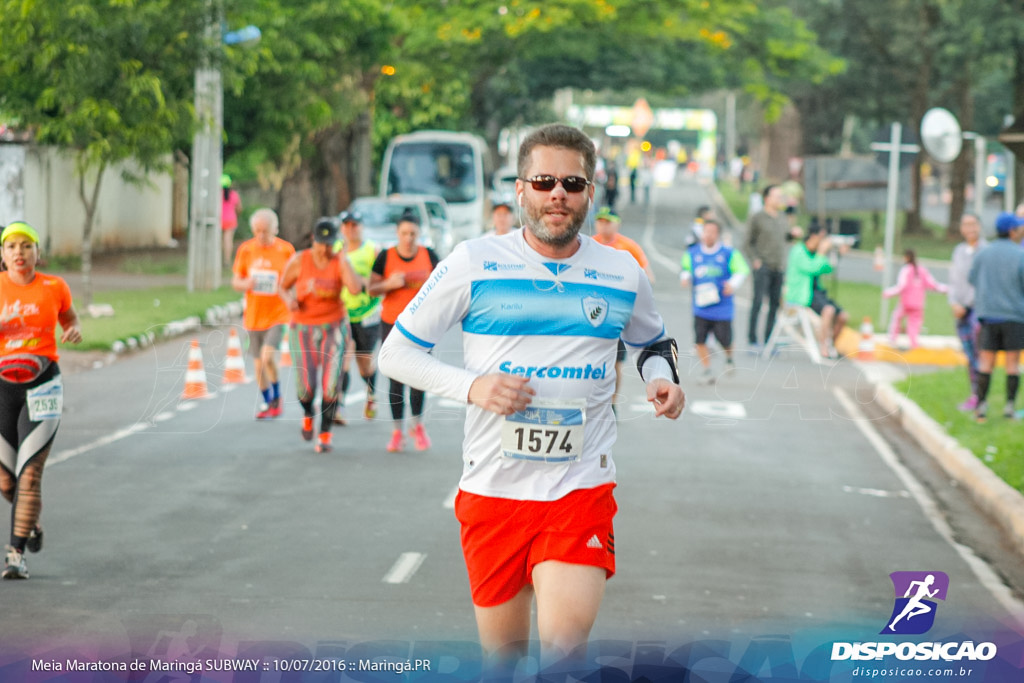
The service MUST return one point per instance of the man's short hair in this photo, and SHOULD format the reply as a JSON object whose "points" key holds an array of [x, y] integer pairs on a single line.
{"points": [[558, 135], [766, 190], [264, 215], [702, 209]]}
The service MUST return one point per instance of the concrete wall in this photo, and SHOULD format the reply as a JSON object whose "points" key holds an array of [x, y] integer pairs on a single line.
{"points": [[44, 192]]}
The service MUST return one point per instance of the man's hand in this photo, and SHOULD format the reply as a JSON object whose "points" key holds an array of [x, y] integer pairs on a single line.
{"points": [[668, 398], [958, 311], [501, 393]]}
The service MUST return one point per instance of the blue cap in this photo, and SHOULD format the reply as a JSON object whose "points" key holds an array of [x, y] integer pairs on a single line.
{"points": [[1006, 222], [350, 217]]}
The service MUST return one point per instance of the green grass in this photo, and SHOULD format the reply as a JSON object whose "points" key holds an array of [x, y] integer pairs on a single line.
{"points": [[860, 299], [996, 443], [140, 311]]}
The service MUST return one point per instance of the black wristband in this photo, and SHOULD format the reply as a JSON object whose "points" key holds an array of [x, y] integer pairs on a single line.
{"points": [[667, 349]]}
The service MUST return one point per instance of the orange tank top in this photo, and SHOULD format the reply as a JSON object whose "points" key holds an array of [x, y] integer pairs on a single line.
{"points": [[416, 270], [29, 314], [318, 291]]}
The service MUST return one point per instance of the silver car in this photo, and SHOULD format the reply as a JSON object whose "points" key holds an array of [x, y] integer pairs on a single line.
{"points": [[380, 218]]}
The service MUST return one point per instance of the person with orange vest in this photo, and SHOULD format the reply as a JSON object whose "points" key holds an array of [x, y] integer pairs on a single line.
{"points": [[31, 392], [311, 288], [257, 272], [398, 273]]}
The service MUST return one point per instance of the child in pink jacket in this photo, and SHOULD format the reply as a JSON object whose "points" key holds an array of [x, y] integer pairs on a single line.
{"points": [[911, 285]]}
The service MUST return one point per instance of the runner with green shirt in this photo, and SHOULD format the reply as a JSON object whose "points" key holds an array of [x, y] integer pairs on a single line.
{"points": [[363, 313], [808, 260], [716, 272]]}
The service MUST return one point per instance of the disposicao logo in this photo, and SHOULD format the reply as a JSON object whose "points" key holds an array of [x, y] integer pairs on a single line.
{"points": [[913, 613], [914, 610]]}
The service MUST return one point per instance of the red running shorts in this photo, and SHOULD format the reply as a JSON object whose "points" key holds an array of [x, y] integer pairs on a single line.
{"points": [[504, 539]]}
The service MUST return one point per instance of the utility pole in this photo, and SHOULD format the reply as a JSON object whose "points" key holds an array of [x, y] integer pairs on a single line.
{"points": [[204, 242]]}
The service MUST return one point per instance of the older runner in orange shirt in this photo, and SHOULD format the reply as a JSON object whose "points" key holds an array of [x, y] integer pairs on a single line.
{"points": [[606, 232], [31, 392], [257, 272]]}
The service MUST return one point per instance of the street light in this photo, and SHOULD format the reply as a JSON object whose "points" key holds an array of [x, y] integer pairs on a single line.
{"points": [[204, 240]]}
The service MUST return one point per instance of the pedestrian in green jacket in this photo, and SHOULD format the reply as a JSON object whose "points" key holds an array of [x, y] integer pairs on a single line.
{"points": [[808, 260]]}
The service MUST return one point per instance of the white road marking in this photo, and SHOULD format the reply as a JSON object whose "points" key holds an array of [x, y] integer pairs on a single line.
{"points": [[405, 566], [102, 441], [730, 410], [877, 493], [449, 502], [986, 576]]}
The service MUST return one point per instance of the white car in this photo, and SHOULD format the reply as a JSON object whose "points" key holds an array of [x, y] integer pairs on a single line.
{"points": [[379, 216]]}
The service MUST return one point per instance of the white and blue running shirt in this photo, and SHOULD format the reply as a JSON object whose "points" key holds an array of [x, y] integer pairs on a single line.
{"points": [[556, 322]]}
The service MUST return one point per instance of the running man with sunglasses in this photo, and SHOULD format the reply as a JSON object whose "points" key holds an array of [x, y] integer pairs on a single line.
{"points": [[541, 310]]}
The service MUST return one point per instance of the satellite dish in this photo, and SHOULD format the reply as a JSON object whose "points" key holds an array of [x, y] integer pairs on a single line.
{"points": [[941, 135]]}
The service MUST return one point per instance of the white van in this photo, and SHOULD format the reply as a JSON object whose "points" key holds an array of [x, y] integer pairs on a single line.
{"points": [[455, 166]]}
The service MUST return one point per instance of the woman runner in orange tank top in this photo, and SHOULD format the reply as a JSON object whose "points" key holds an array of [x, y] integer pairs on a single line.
{"points": [[397, 275], [311, 287], [31, 392]]}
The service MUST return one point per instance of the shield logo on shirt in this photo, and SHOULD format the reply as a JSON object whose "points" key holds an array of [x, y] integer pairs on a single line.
{"points": [[596, 310]]}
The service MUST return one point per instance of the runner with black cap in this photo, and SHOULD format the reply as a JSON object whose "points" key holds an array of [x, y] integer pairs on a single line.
{"points": [[311, 286]]}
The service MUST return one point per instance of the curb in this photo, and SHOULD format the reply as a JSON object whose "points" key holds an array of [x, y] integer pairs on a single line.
{"points": [[215, 315], [997, 498]]}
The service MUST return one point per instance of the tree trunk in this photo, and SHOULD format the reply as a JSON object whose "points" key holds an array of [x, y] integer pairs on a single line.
{"points": [[296, 209], [930, 18], [961, 165], [89, 204]]}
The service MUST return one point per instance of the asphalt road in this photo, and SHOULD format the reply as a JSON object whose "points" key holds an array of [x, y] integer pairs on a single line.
{"points": [[773, 510]]}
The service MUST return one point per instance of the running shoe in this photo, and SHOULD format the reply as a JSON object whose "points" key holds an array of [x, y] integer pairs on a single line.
{"points": [[969, 405], [981, 412], [35, 540], [265, 414], [370, 409], [397, 441], [730, 368], [14, 565], [420, 438], [307, 428], [323, 444], [275, 408], [339, 418], [1008, 412], [706, 378]]}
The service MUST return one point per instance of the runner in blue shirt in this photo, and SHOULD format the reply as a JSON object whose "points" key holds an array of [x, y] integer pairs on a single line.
{"points": [[716, 272]]}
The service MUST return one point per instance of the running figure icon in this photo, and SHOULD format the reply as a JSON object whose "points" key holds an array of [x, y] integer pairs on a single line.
{"points": [[916, 606], [919, 591]]}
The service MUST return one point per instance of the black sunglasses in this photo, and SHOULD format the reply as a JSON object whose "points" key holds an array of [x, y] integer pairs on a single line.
{"points": [[546, 183]]}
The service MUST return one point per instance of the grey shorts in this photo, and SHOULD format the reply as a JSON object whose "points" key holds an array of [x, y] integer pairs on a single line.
{"points": [[259, 338]]}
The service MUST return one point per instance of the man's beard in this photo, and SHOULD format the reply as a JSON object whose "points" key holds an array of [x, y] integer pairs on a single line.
{"points": [[533, 218]]}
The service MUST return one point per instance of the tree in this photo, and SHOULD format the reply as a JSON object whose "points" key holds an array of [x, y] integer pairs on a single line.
{"points": [[106, 80], [295, 105], [506, 60]]}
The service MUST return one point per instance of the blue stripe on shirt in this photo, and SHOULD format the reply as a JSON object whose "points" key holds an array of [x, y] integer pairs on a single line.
{"points": [[546, 307]]}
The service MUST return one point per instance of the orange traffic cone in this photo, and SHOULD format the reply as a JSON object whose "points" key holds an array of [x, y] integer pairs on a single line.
{"points": [[234, 366], [866, 347], [195, 376], [286, 352]]}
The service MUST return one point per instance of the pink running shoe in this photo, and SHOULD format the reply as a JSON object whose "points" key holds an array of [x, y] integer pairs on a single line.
{"points": [[397, 441], [420, 438], [969, 405]]}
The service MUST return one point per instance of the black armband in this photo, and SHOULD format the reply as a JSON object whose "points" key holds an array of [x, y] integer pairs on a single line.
{"points": [[667, 349]]}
